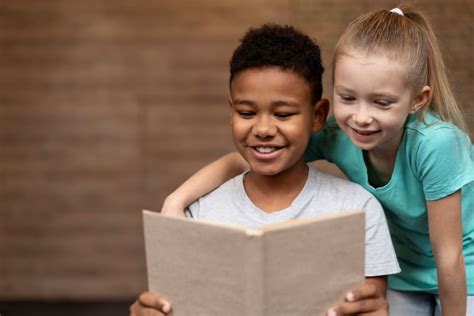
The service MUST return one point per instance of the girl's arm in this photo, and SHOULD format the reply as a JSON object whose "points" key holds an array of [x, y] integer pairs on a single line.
{"points": [[445, 228], [203, 182]]}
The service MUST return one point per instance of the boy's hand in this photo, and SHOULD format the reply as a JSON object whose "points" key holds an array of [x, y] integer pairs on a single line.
{"points": [[366, 299], [150, 304]]}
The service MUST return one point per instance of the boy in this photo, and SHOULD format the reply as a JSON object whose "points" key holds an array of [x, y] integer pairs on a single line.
{"points": [[275, 104]]}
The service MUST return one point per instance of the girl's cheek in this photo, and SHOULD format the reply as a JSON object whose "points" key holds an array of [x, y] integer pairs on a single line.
{"points": [[338, 113]]}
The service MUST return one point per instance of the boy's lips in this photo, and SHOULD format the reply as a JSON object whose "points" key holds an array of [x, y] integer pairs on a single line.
{"points": [[265, 151]]}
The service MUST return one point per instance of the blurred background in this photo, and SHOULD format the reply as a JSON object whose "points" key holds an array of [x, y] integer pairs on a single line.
{"points": [[107, 105]]}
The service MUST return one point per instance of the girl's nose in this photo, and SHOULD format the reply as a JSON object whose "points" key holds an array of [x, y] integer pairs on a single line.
{"points": [[362, 116], [264, 127]]}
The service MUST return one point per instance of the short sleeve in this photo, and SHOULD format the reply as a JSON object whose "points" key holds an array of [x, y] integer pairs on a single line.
{"points": [[192, 211], [444, 162], [318, 143], [380, 255], [313, 151]]}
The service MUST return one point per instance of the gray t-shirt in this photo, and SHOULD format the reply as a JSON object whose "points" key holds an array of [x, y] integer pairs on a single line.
{"points": [[322, 194]]}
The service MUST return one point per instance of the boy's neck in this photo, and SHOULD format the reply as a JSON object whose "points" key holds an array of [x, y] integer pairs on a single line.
{"points": [[276, 192]]}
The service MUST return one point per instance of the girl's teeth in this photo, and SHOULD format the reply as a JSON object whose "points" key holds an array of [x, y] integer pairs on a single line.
{"points": [[364, 133], [265, 150]]}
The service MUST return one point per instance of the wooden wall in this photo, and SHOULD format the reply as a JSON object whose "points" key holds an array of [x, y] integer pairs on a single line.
{"points": [[106, 106]]}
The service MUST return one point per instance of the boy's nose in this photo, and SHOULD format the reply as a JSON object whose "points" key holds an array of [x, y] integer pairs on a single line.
{"points": [[264, 127]]}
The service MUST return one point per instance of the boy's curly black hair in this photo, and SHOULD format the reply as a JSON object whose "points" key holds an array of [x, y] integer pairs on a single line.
{"points": [[281, 46]]}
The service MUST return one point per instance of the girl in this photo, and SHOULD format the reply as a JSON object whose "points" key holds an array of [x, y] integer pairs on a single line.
{"points": [[399, 133]]}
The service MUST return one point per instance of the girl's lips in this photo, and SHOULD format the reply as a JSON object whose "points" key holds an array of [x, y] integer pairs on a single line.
{"points": [[364, 133]]}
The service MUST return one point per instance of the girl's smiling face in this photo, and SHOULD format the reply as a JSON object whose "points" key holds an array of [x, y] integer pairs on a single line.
{"points": [[372, 100]]}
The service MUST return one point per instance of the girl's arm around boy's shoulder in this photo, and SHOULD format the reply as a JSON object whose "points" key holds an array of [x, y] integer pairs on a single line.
{"points": [[202, 182]]}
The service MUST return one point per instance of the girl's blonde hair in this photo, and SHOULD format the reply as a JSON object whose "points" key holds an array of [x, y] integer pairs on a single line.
{"points": [[410, 39]]}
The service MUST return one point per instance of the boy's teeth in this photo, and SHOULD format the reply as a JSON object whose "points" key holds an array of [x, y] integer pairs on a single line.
{"points": [[265, 150]]}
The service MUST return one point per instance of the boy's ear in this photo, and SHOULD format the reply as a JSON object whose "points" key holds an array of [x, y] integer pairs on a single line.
{"points": [[422, 99], [320, 114], [229, 100]]}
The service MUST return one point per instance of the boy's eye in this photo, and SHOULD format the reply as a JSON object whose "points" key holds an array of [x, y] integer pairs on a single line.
{"points": [[246, 114], [283, 114]]}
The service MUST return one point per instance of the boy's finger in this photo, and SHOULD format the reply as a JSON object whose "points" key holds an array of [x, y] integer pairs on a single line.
{"points": [[365, 291], [153, 300], [363, 306], [139, 310]]}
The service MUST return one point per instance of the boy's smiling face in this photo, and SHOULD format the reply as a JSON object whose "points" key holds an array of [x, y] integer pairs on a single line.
{"points": [[272, 118]]}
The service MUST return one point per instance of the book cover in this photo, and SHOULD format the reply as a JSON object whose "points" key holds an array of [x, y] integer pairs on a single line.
{"points": [[297, 267]]}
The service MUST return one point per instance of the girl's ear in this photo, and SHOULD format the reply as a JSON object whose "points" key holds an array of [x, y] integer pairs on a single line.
{"points": [[320, 114], [422, 99]]}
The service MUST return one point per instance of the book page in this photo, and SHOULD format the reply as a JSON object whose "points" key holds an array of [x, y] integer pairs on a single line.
{"points": [[309, 268], [203, 268]]}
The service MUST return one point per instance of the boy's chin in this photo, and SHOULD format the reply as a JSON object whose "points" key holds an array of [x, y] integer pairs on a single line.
{"points": [[276, 169], [260, 170], [267, 171]]}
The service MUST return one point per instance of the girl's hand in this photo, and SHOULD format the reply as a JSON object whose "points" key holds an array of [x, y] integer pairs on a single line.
{"points": [[150, 304], [367, 299], [172, 207], [203, 182]]}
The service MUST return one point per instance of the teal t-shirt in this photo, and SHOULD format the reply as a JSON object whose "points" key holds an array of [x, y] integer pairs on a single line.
{"points": [[434, 160]]}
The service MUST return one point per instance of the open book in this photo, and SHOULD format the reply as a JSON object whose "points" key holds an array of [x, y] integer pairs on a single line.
{"points": [[298, 267]]}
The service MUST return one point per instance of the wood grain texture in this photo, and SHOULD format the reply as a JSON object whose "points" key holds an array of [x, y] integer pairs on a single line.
{"points": [[106, 106]]}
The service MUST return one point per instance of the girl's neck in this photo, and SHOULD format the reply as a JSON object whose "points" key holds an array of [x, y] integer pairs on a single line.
{"points": [[380, 164], [276, 192]]}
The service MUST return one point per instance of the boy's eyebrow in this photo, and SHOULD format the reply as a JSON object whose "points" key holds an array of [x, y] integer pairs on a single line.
{"points": [[274, 103], [243, 101], [285, 103]]}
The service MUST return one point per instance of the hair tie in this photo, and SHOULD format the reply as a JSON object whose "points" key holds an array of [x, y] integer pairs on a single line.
{"points": [[397, 11]]}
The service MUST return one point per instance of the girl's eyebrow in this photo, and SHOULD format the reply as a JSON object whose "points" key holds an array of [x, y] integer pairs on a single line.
{"points": [[385, 95], [374, 94], [339, 87]]}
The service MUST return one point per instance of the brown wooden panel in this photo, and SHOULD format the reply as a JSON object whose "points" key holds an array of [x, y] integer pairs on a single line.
{"points": [[325, 20], [106, 106]]}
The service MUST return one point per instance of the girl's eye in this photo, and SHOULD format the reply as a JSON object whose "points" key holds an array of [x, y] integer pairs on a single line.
{"points": [[347, 98], [383, 103]]}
